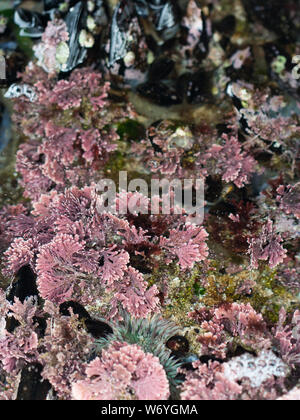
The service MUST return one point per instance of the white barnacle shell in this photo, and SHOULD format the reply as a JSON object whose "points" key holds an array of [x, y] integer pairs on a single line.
{"points": [[29, 92], [255, 369], [91, 6], [16, 90], [241, 91], [129, 59], [181, 138], [91, 24], [62, 53], [86, 39]]}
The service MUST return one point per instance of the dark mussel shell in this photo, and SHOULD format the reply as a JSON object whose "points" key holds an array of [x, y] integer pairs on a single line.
{"points": [[160, 69], [236, 352], [195, 87], [54, 4], [202, 47], [100, 13], [97, 328], [32, 385], [179, 345], [275, 16], [142, 8], [206, 359], [165, 13], [214, 187], [64, 309], [75, 21], [167, 18], [94, 327], [227, 25], [121, 19], [162, 94], [222, 208], [24, 286], [32, 24]]}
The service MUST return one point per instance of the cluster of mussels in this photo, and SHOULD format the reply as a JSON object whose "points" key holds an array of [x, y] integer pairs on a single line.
{"points": [[166, 50], [139, 42]]}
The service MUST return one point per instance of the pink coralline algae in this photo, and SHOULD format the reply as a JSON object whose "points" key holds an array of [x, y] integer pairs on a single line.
{"points": [[164, 149], [20, 253], [267, 247], [187, 244], [28, 165], [81, 255], [55, 34], [229, 324], [20, 347], [133, 295], [289, 199], [209, 383], [7, 217], [120, 119], [287, 338], [231, 162], [123, 372], [69, 153], [167, 149], [60, 344], [68, 94], [77, 250], [66, 349]]}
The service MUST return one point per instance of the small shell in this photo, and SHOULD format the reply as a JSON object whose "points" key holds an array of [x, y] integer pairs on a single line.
{"points": [[62, 53], [91, 24], [91, 6], [16, 90], [129, 59], [86, 39]]}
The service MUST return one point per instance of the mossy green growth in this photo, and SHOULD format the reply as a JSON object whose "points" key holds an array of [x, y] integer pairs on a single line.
{"points": [[222, 288], [11, 192], [131, 130], [184, 289], [117, 162], [270, 296], [267, 295]]}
